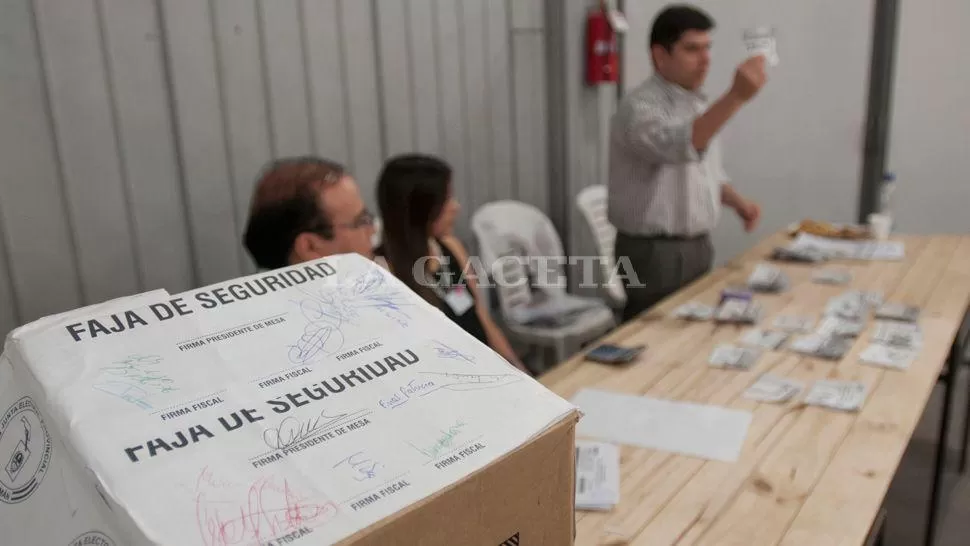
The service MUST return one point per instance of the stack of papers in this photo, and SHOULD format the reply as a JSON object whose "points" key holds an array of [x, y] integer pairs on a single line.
{"points": [[794, 323], [708, 432], [764, 339], [597, 475], [837, 395], [800, 255], [773, 389], [768, 278], [735, 358], [694, 311], [898, 311], [822, 346], [835, 326], [853, 304], [851, 250], [895, 345], [738, 312]]}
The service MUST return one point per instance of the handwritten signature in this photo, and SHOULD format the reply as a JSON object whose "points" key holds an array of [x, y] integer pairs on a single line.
{"points": [[128, 393], [326, 311], [293, 430], [269, 510], [471, 382], [136, 379], [446, 352], [442, 443], [415, 387], [364, 467]]}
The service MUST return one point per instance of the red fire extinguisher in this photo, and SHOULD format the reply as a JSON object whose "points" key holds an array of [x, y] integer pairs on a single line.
{"points": [[602, 52]]}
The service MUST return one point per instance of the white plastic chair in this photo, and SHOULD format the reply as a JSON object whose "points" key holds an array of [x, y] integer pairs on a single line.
{"points": [[510, 232], [378, 237], [592, 202]]}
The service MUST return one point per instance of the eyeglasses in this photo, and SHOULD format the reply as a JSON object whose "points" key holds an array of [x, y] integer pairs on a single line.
{"points": [[364, 219]]}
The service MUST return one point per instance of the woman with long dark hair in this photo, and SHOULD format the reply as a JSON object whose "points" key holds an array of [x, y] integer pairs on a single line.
{"points": [[418, 210]]}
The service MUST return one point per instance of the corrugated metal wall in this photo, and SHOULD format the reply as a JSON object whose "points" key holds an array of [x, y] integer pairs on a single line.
{"points": [[131, 130]]}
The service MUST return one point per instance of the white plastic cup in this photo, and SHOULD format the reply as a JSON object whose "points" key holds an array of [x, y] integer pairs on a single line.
{"points": [[879, 226]]}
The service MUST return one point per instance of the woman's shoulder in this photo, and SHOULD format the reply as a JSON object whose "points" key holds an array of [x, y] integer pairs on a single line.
{"points": [[454, 245]]}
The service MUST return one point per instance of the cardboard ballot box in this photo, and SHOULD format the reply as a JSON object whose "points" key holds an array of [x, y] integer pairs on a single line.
{"points": [[320, 404]]}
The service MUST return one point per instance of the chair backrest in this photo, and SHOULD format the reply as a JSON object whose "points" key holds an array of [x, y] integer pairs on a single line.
{"points": [[508, 231], [378, 237], [592, 202]]}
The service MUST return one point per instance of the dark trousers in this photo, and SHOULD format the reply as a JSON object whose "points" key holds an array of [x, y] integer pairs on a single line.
{"points": [[660, 266]]}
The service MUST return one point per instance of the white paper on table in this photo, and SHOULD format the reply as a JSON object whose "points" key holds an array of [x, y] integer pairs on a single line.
{"points": [[694, 311], [773, 389], [764, 339], [835, 326], [905, 335], [708, 432], [731, 357], [837, 395], [794, 323], [887, 357], [597, 475], [852, 250]]}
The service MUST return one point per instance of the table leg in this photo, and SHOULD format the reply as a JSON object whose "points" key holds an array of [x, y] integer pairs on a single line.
{"points": [[941, 447], [966, 434], [966, 421]]}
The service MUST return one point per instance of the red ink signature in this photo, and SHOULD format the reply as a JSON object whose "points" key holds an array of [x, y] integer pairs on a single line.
{"points": [[270, 510]]}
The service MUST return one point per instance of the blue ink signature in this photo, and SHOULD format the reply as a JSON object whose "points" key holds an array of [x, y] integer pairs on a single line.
{"points": [[415, 387], [327, 310], [128, 393], [364, 467], [443, 442], [446, 352], [140, 370], [471, 382]]}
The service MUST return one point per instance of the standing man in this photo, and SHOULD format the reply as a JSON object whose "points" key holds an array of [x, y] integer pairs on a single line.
{"points": [[666, 183]]}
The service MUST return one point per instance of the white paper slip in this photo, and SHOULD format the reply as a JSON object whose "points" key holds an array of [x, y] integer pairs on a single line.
{"points": [[768, 278], [736, 358], [898, 311], [832, 275], [738, 311], [694, 311], [708, 432], [835, 326], [822, 346], [906, 335], [887, 357], [764, 339], [837, 395], [597, 475], [773, 389], [761, 41], [852, 250], [794, 323]]}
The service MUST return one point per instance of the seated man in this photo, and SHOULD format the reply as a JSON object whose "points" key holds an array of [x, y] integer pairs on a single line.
{"points": [[306, 208]]}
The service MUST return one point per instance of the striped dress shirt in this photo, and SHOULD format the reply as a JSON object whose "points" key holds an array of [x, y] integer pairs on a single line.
{"points": [[658, 183]]}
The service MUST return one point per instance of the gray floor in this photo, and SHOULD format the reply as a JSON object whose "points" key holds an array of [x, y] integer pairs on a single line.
{"points": [[908, 498]]}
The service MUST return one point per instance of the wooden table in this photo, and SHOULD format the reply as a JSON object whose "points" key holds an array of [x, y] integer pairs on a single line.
{"points": [[807, 476]]}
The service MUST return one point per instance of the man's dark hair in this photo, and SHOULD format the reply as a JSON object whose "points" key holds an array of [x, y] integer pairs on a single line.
{"points": [[286, 203], [674, 21]]}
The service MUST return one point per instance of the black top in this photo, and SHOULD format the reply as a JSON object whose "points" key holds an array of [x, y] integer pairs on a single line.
{"points": [[448, 278]]}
